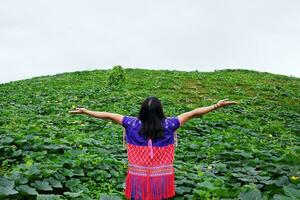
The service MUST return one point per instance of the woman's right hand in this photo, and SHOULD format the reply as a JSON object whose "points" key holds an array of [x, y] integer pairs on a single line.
{"points": [[78, 111], [225, 102]]}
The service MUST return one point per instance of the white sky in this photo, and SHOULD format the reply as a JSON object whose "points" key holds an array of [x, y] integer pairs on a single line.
{"points": [[49, 37]]}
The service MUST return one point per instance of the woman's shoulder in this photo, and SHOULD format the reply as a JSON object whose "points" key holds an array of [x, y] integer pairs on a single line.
{"points": [[129, 120], [172, 119], [172, 122], [129, 117]]}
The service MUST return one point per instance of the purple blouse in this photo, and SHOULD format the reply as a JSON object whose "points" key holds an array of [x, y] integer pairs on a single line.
{"points": [[133, 124]]}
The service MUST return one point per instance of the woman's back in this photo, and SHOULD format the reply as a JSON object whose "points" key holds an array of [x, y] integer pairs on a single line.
{"points": [[150, 162]]}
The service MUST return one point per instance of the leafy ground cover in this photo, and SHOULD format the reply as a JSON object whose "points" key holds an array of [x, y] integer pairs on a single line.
{"points": [[247, 151]]}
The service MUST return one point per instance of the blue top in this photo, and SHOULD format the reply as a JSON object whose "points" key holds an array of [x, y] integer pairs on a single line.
{"points": [[133, 124]]}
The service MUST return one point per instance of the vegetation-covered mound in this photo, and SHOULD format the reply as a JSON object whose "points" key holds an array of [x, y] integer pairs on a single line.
{"points": [[246, 151]]}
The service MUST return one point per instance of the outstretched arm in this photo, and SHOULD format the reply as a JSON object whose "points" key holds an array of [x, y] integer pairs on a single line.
{"points": [[103, 115], [184, 117]]}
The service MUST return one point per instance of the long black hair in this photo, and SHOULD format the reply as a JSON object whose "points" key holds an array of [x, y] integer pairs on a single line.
{"points": [[152, 116]]}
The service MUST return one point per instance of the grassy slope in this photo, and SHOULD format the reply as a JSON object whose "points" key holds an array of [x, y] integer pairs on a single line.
{"points": [[262, 133]]}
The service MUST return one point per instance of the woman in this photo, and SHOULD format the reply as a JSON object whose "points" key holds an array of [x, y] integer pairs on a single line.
{"points": [[150, 147]]}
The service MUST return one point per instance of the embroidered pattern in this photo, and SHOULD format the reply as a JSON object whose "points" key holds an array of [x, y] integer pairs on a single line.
{"points": [[140, 155], [150, 171]]}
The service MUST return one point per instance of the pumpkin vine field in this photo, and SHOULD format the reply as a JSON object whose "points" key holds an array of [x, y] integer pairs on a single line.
{"points": [[247, 151]]}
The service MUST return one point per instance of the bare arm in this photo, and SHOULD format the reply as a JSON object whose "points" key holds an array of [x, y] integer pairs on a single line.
{"points": [[184, 117], [103, 115]]}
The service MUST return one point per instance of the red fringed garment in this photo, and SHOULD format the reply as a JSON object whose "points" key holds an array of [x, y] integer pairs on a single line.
{"points": [[150, 174]]}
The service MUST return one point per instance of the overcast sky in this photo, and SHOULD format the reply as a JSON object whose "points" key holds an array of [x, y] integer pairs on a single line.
{"points": [[50, 37]]}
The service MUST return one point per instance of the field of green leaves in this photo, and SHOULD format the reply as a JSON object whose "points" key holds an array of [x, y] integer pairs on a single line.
{"points": [[246, 151]]}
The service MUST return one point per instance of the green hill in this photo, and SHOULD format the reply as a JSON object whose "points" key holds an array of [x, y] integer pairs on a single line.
{"points": [[247, 151]]}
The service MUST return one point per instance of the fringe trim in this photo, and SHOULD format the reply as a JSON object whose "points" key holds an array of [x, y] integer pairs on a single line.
{"points": [[149, 188]]}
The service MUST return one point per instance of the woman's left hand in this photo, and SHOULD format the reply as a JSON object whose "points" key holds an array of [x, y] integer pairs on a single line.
{"points": [[78, 111]]}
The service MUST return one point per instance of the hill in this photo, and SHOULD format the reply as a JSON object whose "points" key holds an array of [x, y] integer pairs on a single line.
{"points": [[246, 151]]}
